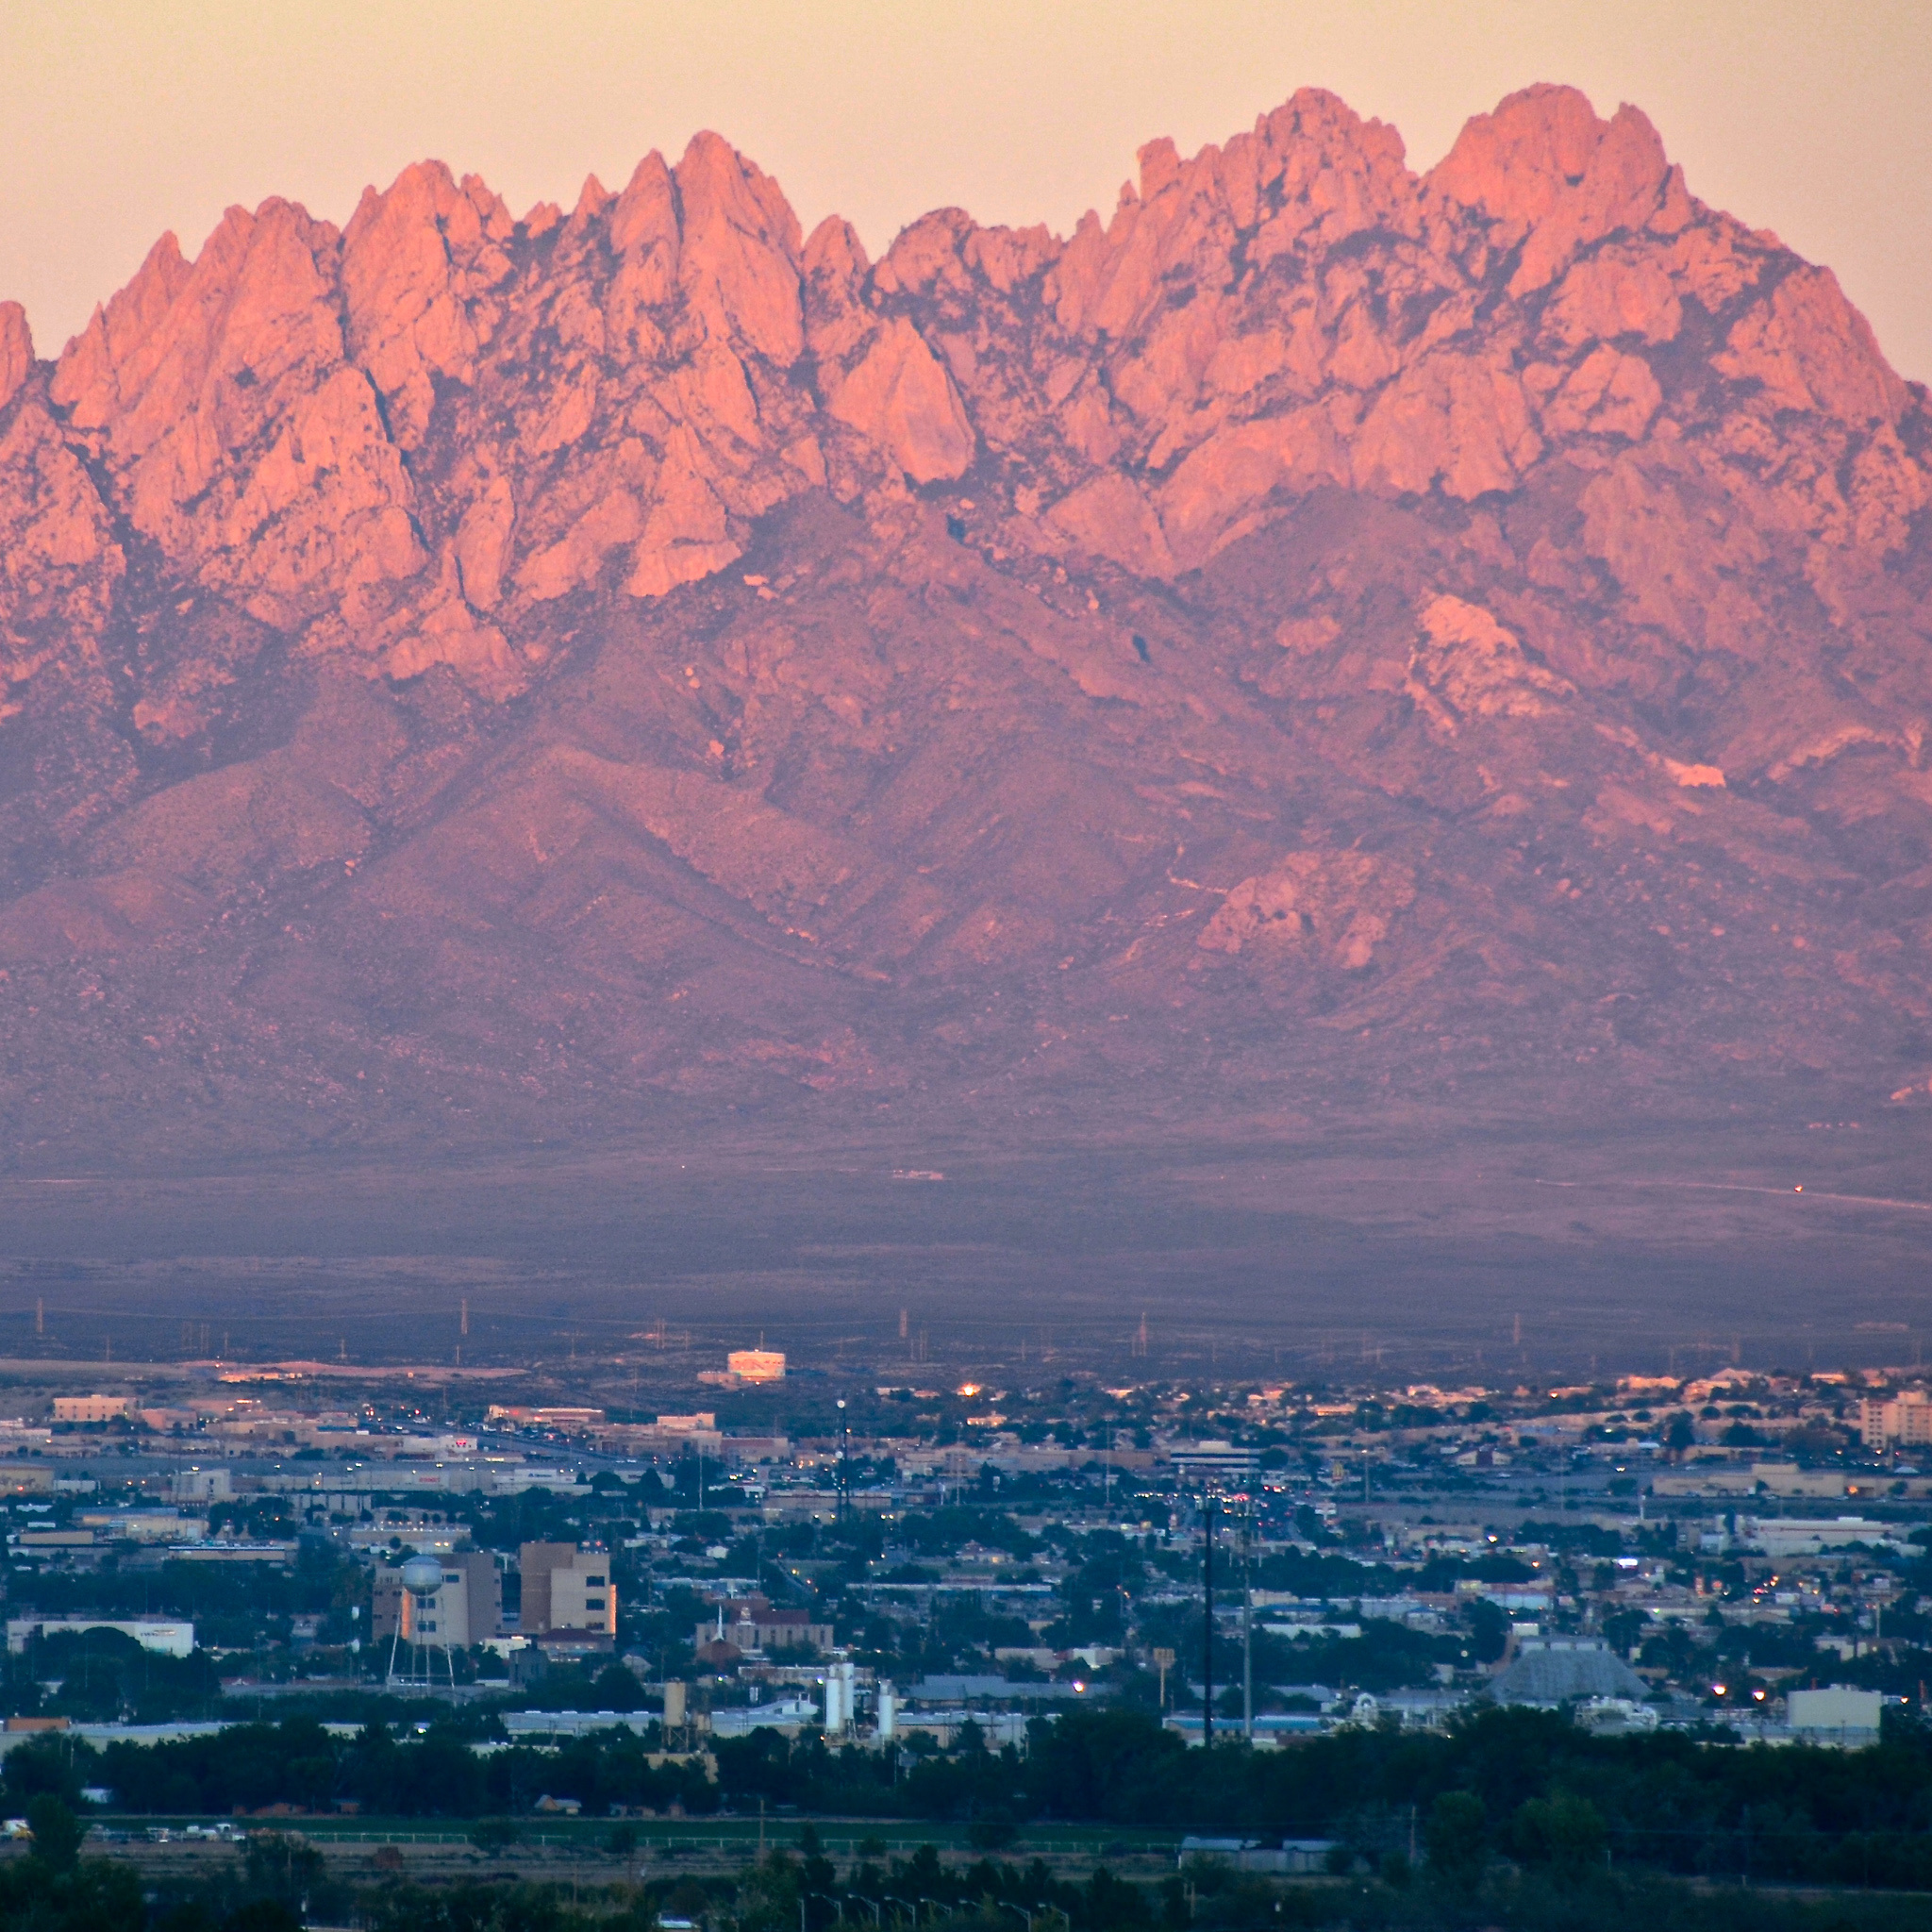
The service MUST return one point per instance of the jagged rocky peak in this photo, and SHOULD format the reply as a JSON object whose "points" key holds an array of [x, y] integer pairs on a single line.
{"points": [[1284, 572]]}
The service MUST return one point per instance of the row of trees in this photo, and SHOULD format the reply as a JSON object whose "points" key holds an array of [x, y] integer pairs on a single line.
{"points": [[299, 1764], [1523, 1785]]}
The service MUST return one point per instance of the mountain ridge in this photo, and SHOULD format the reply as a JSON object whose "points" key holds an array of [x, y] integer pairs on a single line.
{"points": [[1325, 639]]}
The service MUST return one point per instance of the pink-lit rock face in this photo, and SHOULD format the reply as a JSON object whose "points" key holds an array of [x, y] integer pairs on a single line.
{"points": [[645, 651]]}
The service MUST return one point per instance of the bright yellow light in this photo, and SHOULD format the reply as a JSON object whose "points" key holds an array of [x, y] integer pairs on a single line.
{"points": [[968, 1388]]}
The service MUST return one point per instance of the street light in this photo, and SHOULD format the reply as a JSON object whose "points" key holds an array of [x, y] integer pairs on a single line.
{"points": [[1008, 1904]]}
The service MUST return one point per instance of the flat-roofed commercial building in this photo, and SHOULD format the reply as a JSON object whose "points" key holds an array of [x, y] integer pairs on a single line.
{"points": [[1840, 1712], [91, 1409], [164, 1639]]}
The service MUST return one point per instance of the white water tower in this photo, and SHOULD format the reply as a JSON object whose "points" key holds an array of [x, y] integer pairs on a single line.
{"points": [[420, 1623]]}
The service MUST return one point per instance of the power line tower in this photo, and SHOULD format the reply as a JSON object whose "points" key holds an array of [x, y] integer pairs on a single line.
{"points": [[1247, 1527], [1208, 1500], [1238, 1506]]}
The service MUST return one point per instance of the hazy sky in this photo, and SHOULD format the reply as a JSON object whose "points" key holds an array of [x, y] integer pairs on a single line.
{"points": [[118, 121]]}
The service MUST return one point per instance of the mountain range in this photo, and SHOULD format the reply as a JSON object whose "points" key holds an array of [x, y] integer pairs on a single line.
{"points": [[1325, 644]]}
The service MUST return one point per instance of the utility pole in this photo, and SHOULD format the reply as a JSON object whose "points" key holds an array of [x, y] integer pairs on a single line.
{"points": [[1207, 1639], [844, 1463], [1248, 1621]]}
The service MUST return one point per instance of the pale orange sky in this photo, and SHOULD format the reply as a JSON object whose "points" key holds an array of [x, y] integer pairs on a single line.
{"points": [[118, 121]]}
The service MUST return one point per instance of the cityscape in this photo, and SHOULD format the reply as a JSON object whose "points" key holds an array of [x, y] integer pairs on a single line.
{"points": [[279, 1602]]}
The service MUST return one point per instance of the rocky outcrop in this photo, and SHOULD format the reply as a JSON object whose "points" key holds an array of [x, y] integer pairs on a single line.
{"points": [[16, 351], [1484, 605], [1332, 907], [1467, 665], [59, 564]]}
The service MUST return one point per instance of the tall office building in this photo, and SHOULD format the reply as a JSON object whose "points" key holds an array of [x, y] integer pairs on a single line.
{"points": [[568, 1591], [1905, 1420]]}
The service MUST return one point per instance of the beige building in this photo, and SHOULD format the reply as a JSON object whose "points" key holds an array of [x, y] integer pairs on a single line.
{"points": [[1905, 1420], [91, 1409], [567, 1591], [466, 1609], [1733, 1479], [757, 1364], [700, 1430], [1840, 1711]]}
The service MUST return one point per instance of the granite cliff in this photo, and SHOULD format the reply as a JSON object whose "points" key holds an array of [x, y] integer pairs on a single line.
{"points": [[1323, 639]]}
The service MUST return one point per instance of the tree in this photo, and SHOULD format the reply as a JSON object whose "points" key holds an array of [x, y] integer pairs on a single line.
{"points": [[1115, 1903], [1489, 1631], [262, 1915], [282, 1867], [57, 1832], [492, 1836], [992, 1830], [1453, 1837], [616, 1688], [1562, 1830], [625, 1841]]}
